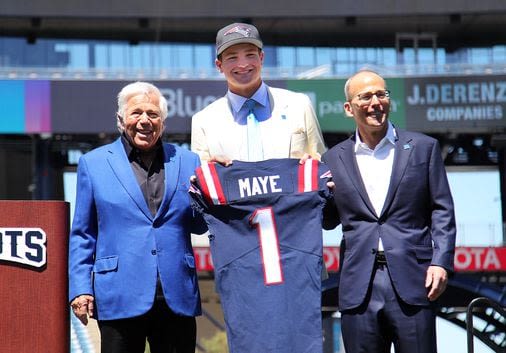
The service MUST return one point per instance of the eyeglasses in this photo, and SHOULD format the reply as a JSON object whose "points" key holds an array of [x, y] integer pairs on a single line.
{"points": [[137, 115], [366, 97]]}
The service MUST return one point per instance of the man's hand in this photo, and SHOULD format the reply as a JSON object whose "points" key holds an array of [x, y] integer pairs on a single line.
{"points": [[223, 160], [304, 158], [82, 306], [436, 281], [330, 184]]}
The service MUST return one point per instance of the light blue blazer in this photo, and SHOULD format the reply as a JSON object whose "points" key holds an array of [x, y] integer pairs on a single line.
{"points": [[117, 247]]}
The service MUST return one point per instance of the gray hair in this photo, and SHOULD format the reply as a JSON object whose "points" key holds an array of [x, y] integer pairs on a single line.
{"points": [[134, 89]]}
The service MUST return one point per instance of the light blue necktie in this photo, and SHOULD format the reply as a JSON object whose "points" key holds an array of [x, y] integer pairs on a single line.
{"points": [[255, 149]]}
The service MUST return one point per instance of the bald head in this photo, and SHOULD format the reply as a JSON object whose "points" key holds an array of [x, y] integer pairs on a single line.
{"points": [[361, 79]]}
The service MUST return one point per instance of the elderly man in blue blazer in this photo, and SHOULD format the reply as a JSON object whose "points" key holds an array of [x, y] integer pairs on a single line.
{"points": [[131, 263], [393, 200]]}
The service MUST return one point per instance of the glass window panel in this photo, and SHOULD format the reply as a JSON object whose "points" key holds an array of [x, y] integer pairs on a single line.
{"points": [[286, 57], [305, 56]]}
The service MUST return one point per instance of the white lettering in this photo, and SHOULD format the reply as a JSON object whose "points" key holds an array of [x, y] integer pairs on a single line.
{"points": [[476, 259], [501, 92], [255, 187], [463, 259], [201, 255], [498, 112], [331, 258], [476, 254], [432, 94], [473, 92], [476, 112], [446, 93], [258, 185], [273, 183], [263, 181], [330, 107], [414, 99], [491, 260], [182, 105], [244, 186], [487, 92], [23, 245], [459, 93]]}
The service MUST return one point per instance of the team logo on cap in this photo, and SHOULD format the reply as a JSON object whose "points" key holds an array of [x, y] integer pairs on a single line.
{"points": [[245, 32]]}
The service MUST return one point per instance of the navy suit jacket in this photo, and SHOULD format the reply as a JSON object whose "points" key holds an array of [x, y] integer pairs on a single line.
{"points": [[117, 247], [416, 225]]}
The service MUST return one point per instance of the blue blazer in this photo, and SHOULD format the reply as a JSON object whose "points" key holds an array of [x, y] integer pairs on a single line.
{"points": [[416, 225], [117, 247]]}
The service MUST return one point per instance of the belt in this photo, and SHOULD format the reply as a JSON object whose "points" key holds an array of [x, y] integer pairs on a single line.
{"points": [[381, 258]]}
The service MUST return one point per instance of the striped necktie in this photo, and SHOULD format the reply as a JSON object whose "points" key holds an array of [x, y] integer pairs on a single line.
{"points": [[255, 149]]}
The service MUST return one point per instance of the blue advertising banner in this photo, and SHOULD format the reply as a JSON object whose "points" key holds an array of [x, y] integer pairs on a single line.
{"points": [[438, 104]]}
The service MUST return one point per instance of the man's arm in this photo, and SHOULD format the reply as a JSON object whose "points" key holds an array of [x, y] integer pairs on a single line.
{"points": [[443, 226], [315, 144], [82, 242], [199, 143], [443, 229]]}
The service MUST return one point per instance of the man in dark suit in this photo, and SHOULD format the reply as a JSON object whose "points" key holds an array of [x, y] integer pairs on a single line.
{"points": [[131, 263], [393, 200]]}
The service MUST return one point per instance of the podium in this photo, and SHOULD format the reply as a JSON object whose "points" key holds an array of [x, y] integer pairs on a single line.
{"points": [[33, 277]]}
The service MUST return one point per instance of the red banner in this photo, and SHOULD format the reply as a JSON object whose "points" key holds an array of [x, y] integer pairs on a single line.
{"points": [[467, 259], [475, 259]]}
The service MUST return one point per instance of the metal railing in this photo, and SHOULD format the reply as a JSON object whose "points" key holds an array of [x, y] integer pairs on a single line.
{"points": [[189, 73], [493, 333]]}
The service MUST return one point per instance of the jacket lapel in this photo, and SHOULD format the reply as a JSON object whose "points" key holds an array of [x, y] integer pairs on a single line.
{"points": [[349, 160], [403, 150], [172, 165], [223, 122], [120, 165], [277, 129]]}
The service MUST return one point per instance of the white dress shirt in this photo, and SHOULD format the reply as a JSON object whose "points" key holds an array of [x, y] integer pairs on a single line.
{"points": [[376, 168], [261, 110]]}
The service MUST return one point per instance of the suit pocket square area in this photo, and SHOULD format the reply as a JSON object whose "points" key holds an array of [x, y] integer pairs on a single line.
{"points": [[423, 252], [106, 264]]}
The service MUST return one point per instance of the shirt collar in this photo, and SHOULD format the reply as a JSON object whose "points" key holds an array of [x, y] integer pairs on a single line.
{"points": [[261, 96], [390, 136]]}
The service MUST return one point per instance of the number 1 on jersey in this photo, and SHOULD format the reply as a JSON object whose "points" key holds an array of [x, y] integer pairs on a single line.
{"points": [[263, 220]]}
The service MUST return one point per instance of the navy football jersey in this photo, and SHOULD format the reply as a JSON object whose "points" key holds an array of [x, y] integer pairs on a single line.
{"points": [[265, 223]]}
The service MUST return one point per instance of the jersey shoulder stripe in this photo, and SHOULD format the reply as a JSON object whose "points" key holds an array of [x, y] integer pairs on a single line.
{"points": [[211, 185]]}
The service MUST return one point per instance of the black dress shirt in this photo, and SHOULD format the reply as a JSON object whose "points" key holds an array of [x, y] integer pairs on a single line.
{"points": [[151, 178]]}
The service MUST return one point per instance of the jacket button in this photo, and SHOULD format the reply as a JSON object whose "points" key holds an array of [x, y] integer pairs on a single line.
{"points": [[153, 252], [373, 251]]}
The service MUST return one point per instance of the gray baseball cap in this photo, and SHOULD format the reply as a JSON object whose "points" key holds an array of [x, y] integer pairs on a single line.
{"points": [[237, 33]]}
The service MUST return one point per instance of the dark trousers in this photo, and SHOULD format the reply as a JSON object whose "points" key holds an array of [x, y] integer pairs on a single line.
{"points": [[384, 320], [165, 331]]}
